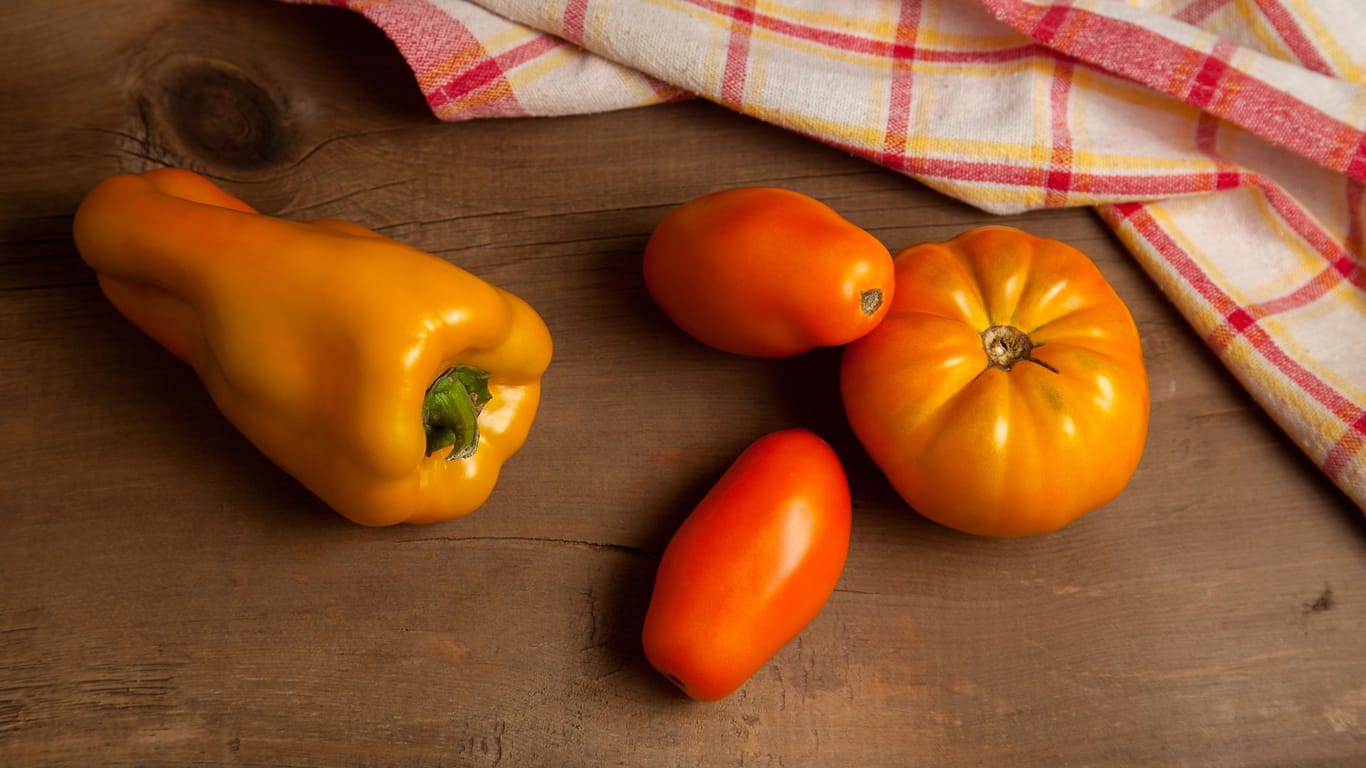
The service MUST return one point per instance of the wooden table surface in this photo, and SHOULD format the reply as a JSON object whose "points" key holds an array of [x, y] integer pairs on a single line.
{"points": [[170, 597]]}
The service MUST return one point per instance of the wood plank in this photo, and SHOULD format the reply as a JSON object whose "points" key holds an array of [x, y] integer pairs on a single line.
{"points": [[173, 598]]}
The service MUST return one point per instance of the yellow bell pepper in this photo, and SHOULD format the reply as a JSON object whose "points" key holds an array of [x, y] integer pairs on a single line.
{"points": [[388, 381]]}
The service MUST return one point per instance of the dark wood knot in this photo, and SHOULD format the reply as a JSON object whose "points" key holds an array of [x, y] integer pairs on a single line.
{"points": [[221, 115]]}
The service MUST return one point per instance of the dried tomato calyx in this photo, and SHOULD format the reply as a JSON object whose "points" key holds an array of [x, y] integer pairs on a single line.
{"points": [[1007, 345]]}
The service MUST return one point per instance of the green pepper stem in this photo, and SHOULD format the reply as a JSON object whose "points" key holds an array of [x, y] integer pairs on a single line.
{"points": [[450, 411]]}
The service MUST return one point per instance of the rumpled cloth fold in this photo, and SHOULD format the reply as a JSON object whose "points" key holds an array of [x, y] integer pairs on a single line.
{"points": [[1224, 141]]}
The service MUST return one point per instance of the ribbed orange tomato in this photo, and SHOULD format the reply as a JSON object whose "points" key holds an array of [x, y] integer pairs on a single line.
{"points": [[1005, 392], [751, 566], [766, 272]]}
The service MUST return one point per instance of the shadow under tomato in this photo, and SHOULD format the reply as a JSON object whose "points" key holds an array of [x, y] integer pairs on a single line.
{"points": [[624, 600], [629, 585], [808, 390]]}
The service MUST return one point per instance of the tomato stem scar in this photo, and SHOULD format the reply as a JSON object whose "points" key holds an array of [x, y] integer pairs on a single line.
{"points": [[870, 300]]}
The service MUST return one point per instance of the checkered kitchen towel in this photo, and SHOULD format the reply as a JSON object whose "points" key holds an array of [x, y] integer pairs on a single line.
{"points": [[1224, 141]]}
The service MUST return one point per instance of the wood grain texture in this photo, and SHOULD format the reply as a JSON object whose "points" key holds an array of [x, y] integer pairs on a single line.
{"points": [[172, 598]]}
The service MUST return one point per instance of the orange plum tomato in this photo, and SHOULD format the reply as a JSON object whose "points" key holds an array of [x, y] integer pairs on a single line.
{"points": [[751, 566], [766, 272], [1005, 392]]}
